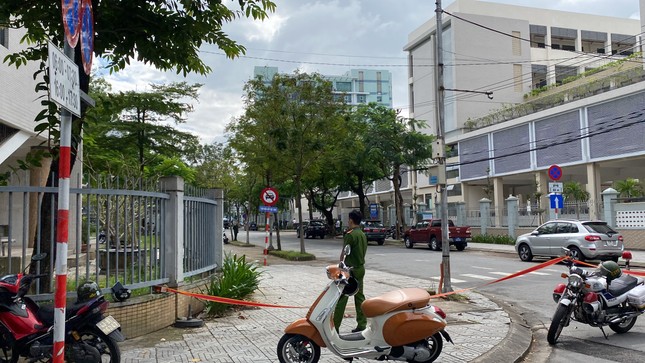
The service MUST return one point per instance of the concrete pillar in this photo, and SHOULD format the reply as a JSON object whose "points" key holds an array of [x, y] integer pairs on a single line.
{"points": [[550, 67], [174, 220], [593, 187], [498, 200], [609, 197], [218, 196], [461, 214], [512, 204], [542, 189], [484, 214]]}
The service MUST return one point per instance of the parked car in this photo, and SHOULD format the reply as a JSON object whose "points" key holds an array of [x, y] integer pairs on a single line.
{"points": [[374, 231], [428, 231], [253, 226], [586, 240], [315, 228]]}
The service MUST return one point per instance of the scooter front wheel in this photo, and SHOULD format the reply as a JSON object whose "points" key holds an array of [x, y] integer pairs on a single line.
{"points": [[295, 348]]}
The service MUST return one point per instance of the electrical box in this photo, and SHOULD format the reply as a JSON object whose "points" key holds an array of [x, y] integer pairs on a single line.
{"points": [[438, 149]]}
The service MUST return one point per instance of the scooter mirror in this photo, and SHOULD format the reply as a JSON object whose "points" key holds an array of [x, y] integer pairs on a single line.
{"points": [[347, 250]]}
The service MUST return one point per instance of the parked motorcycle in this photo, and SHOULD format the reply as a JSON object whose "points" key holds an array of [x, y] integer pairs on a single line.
{"points": [[26, 328], [224, 237], [603, 297], [403, 326]]}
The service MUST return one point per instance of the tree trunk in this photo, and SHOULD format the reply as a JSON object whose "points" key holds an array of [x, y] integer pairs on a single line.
{"points": [[398, 201], [299, 208], [277, 232]]}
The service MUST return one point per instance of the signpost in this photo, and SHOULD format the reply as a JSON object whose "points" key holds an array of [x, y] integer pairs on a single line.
{"points": [[65, 90], [556, 199], [268, 196]]}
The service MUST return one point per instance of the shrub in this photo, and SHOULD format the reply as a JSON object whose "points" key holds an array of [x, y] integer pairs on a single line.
{"points": [[497, 239], [293, 255], [237, 280]]}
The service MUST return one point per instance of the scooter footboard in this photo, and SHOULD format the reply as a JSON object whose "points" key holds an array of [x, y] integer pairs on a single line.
{"points": [[305, 328], [405, 327]]}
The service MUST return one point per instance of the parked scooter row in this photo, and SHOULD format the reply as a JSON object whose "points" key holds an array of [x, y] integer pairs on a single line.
{"points": [[27, 329], [603, 297], [403, 326]]}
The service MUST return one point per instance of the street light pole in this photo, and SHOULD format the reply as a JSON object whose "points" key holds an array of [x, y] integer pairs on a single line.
{"points": [[440, 150]]}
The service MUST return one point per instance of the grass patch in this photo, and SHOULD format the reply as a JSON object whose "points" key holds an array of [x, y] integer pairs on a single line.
{"points": [[496, 239], [293, 255], [456, 297], [241, 244]]}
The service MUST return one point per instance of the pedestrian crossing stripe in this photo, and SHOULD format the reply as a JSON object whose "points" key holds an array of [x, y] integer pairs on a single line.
{"points": [[452, 279], [480, 277], [539, 273], [501, 273]]}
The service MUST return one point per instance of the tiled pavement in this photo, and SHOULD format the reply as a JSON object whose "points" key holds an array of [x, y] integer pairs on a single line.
{"points": [[476, 325]]}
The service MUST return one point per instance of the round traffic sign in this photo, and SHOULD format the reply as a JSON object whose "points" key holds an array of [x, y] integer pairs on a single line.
{"points": [[555, 172], [87, 36], [71, 20], [269, 196]]}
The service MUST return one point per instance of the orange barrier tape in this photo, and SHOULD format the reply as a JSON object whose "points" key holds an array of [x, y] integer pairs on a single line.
{"points": [[516, 274], [629, 272], [225, 300]]}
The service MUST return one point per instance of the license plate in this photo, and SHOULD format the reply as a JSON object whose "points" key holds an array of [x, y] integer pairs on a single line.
{"points": [[108, 325], [457, 239], [612, 243]]}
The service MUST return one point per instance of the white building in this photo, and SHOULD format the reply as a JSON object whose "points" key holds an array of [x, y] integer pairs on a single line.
{"points": [[510, 51]]}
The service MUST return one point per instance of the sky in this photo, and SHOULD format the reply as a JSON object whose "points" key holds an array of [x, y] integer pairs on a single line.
{"points": [[325, 36]]}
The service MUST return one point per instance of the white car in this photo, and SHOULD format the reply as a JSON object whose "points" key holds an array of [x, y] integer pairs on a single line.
{"points": [[586, 239]]}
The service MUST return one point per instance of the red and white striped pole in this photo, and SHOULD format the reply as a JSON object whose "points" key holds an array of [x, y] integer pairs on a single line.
{"points": [[266, 238], [62, 229]]}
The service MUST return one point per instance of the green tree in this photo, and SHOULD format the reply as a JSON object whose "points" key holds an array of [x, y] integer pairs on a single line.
{"points": [[286, 128], [574, 191], [395, 145], [629, 188], [166, 35]]}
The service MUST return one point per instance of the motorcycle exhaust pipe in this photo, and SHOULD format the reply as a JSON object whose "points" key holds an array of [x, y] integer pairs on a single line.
{"points": [[620, 319]]}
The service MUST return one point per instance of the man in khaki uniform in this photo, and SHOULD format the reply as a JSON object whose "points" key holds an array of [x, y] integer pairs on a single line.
{"points": [[356, 239]]}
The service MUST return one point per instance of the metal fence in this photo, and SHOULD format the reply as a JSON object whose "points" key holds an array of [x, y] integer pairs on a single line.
{"points": [[118, 231]]}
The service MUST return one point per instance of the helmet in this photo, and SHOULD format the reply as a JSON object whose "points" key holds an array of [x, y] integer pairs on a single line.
{"points": [[610, 270], [87, 291], [352, 287]]}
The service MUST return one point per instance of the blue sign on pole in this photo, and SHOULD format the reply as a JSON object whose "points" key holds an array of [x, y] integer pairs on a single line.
{"points": [[557, 201], [266, 208], [373, 211]]}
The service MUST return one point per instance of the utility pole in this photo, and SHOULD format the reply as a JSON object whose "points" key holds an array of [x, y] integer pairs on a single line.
{"points": [[439, 150]]}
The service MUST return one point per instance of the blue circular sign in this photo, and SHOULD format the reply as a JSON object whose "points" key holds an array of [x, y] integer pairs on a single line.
{"points": [[87, 36], [555, 172], [71, 20]]}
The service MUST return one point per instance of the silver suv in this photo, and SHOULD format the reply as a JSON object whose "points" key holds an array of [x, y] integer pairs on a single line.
{"points": [[586, 240]]}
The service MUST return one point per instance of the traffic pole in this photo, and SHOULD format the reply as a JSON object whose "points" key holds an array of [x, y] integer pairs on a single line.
{"points": [[266, 238], [62, 228]]}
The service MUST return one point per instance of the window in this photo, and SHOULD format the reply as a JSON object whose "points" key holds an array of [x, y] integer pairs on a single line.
{"points": [[548, 228], [379, 98], [344, 86], [454, 190], [379, 83], [348, 98], [361, 99], [517, 43], [538, 35], [4, 37], [517, 77]]}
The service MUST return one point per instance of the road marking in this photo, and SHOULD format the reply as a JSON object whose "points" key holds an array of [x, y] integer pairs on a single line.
{"points": [[452, 279], [480, 277], [483, 268], [500, 273], [539, 273]]}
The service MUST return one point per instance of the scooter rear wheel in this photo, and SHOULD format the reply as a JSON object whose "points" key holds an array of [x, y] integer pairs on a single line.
{"points": [[295, 348], [434, 344]]}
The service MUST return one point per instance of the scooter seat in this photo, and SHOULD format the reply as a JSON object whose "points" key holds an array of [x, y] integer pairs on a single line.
{"points": [[403, 299]]}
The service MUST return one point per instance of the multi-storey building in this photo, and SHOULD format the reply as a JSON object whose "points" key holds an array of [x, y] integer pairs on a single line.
{"points": [[504, 145], [356, 87]]}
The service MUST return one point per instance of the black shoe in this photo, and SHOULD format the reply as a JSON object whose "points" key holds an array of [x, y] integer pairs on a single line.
{"points": [[357, 329]]}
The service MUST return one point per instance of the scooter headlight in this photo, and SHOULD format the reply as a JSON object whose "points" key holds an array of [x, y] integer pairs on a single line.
{"points": [[575, 281]]}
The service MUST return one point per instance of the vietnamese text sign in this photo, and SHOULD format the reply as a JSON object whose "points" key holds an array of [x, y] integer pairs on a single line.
{"points": [[555, 187], [63, 81]]}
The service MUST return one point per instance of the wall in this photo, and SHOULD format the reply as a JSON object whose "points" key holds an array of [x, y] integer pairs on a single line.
{"points": [[145, 314]]}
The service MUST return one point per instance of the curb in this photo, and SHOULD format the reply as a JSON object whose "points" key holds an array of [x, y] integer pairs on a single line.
{"points": [[517, 343]]}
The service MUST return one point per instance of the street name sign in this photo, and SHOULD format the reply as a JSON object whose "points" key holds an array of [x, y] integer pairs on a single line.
{"points": [[63, 81], [555, 187]]}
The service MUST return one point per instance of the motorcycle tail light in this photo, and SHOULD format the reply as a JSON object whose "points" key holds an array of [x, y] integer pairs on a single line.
{"points": [[627, 255], [439, 312]]}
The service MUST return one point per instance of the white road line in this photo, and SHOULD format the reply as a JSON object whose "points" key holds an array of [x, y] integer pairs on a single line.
{"points": [[539, 273], [480, 277], [482, 268], [452, 279], [499, 273]]}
